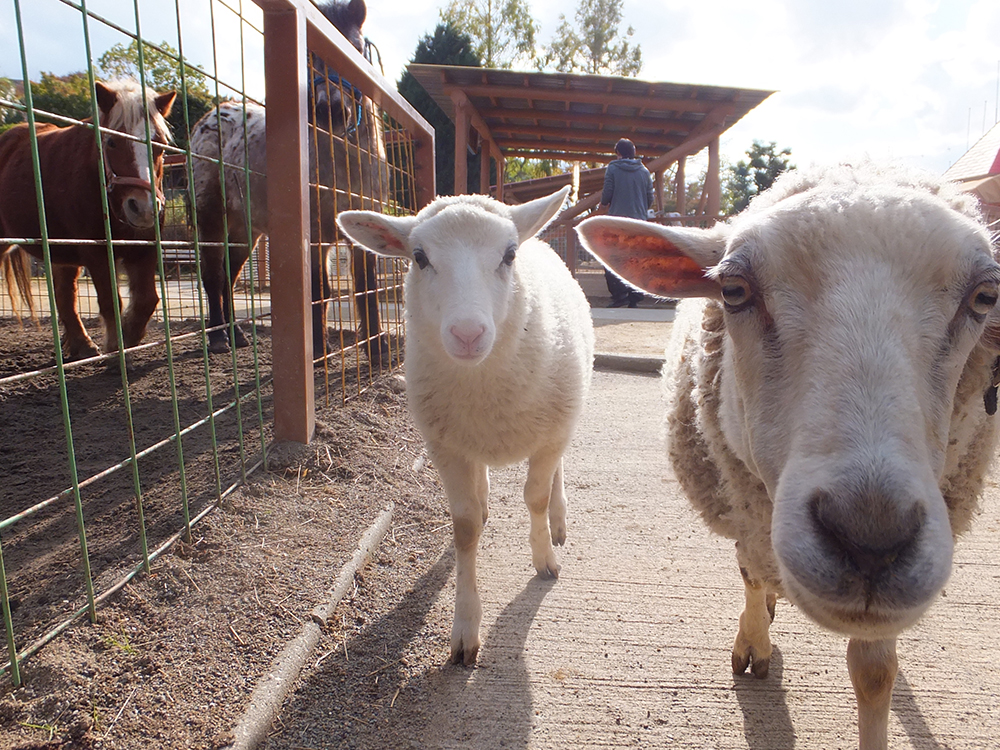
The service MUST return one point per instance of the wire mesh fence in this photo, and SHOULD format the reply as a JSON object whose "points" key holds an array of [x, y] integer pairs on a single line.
{"points": [[112, 453]]}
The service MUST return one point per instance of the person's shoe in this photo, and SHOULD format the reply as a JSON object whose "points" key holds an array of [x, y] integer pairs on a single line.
{"points": [[618, 302]]}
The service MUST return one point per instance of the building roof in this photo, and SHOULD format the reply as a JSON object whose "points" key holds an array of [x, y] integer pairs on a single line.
{"points": [[979, 161], [575, 117]]}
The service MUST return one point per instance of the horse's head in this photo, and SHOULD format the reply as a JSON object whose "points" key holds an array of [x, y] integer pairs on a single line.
{"points": [[338, 103], [134, 194]]}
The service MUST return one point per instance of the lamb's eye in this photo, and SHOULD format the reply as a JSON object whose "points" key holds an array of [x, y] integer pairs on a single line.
{"points": [[420, 258], [984, 298], [736, 293], [508, 257]]}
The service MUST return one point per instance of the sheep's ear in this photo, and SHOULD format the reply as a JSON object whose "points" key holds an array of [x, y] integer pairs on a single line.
{"points": [[531, 217], [665, 261], [381, 234]]}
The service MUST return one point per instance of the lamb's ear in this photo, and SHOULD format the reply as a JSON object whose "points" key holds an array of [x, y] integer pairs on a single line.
{"points": [[381, 234], [666, 261], [531, 217]]}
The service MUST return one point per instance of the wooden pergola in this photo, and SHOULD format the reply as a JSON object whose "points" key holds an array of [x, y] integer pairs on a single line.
{"points": [[579, 118]]}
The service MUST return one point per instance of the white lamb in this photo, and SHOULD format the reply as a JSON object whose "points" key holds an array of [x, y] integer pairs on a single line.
{"points": [[830, 397], [499, 352]]}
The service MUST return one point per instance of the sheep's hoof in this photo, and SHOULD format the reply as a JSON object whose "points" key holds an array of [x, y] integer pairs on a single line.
{"points": [[759, 667], [548, 572], [772, 601]]}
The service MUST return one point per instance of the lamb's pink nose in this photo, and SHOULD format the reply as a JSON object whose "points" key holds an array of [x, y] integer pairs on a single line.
{"points": [[468, 334]]}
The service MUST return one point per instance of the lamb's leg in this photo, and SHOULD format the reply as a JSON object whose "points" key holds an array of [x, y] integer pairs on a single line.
{"points": [[872, 666], [753, 643], [465, 483], [557, 508], [542, 469]]}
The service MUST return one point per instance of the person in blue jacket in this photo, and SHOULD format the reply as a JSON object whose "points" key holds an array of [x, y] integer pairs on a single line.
{"points": [[628, 191]]}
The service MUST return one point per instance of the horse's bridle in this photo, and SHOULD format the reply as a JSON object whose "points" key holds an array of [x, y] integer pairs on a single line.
{"points": [[114, 180]]}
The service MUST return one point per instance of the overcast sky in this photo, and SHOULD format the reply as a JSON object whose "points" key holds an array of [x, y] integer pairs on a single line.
{"points": [[909, 79]]}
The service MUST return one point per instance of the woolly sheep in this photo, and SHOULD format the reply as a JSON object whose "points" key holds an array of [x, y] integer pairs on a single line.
{"points": [[499, 352], [830, 397]]}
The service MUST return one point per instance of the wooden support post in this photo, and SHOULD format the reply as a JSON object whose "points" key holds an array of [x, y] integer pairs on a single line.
{"points": [[680, 194], [712, 182], [484, 167], [501, 170], [461, 186], [658, 192], [288, 219], [571, 250]]}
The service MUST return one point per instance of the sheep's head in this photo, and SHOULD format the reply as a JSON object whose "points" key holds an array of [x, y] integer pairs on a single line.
{"points": [[853, 303], [463, 273]]}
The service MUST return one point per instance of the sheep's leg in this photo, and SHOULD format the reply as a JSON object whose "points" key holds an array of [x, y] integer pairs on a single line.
{"points": [[753, 643], [557, 508], [466, 484], [872, 666], [542, 470]]}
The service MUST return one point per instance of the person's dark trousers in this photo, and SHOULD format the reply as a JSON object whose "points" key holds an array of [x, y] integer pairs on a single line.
{"points": [[621, 293]]}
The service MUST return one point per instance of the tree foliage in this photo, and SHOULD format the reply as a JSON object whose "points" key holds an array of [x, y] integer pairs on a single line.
{"points": [[502, 31], [595, 43], [756, 174], [448, 46], [519, 169], [162, 69]]}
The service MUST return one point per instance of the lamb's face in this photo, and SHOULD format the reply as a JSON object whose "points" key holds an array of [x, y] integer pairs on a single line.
{"points": [[462, 280], [851, 313], [847, 339]]}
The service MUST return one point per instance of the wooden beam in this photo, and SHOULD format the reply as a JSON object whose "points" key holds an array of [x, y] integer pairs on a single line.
{"points": [[461, 185], [680, 190], [593, 135], [484, 170], [461, 102], [712, 182], [604, 98], [608, 122]]}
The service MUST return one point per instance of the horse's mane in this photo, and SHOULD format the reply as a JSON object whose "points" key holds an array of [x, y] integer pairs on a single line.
{"points": [[127, 112]]}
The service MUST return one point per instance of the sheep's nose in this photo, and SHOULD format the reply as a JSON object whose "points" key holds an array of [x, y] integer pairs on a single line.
{"points": [[468, 333], [871, 532]]}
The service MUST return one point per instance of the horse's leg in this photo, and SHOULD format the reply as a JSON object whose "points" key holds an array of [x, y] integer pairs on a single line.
{"points": [[107, 296], [366, 302], [213, 270], [238, 254], [140, 267], [76, 343], [320, 297]]}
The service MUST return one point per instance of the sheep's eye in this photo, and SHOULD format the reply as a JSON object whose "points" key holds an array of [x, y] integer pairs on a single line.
{"points": [[984, 298], [736, 293], [508, 257], [420, 258]]}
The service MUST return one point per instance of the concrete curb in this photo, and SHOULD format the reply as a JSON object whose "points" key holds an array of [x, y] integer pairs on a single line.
{"points": [[628, 363], [270, 692]]}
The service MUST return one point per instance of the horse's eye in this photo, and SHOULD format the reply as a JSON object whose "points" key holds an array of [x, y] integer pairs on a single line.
{"points": [[112, 142], [420, 258], [736, 293], [984, 298], [508, 257]]}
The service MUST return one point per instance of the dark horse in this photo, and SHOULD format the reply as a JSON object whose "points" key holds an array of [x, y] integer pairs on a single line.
{"points": [[347, 151], [72, 188]]}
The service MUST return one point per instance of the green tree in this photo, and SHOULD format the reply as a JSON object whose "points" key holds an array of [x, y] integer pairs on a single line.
{"points": [[67, 95], [163, 73], [502, 31], [519, 168], [756, 174], [8, 92], [448, 46], [595, 44]]}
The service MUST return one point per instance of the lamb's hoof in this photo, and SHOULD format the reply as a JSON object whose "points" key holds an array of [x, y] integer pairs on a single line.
{"points": [[759, 667], [772, 601], [464, 655]]}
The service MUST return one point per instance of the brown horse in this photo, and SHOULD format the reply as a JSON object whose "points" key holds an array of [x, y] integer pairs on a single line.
{"points": [[347, 149], [71, 185]]}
